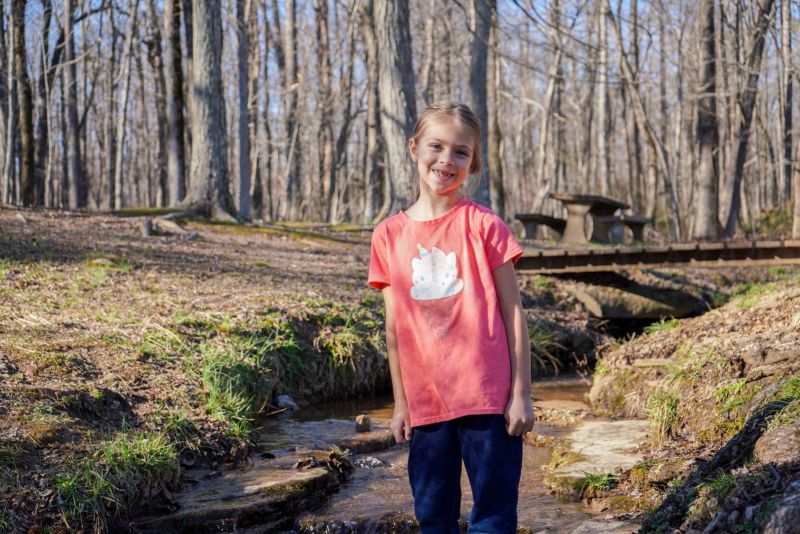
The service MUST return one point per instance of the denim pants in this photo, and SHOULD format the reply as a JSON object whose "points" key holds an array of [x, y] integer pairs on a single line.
{"points": [[493, 460]]}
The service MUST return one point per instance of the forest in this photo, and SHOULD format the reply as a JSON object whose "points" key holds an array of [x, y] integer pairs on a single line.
{"points": [[286, 110]]}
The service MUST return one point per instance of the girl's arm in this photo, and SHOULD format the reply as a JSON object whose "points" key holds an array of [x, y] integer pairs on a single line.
{"points": [[401, 424], [519, 411]]}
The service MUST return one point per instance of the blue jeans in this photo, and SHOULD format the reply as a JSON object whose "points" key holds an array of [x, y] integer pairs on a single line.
{"points": [[493, 460]]}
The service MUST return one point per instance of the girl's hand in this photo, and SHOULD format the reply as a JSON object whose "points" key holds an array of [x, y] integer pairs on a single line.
{"points": [[519, 415], [401, 424]]}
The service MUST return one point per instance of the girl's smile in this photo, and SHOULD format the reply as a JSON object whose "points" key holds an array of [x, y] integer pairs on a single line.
{"points": [[443, 156]]}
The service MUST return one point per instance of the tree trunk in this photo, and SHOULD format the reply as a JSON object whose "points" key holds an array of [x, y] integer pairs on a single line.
{"points": [[326, 170], [253, 73], [291, 87], [78, 190], [747, 100], [541, 173], [42, 136], [788, 78], [176, 123], [495, 134], [28, 184], [208, 191], [425, 78], [796, 195], [603, 123], [372, 178], [706, 224], [480, 26], [9, 167], [397, 98], [243, 13], [119, 190], [155, 47]]}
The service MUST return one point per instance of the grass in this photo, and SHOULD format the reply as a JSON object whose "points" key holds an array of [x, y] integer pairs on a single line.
{"points": [[662, 414], [592, 485], [663, 325], [122, 471], [543, 347], [747, 295]]}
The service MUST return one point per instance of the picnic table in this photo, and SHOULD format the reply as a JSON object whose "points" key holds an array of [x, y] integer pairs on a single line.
{"points": [[578, 207]]}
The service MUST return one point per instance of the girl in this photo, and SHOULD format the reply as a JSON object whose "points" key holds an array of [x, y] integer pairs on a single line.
{"points": [[458, 345]]}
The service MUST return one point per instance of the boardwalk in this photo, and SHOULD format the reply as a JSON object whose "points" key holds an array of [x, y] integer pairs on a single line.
{"points": [[598, 259]]}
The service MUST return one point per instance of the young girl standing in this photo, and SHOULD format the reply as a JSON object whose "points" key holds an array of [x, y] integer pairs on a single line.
{"points": [[459, 354]]}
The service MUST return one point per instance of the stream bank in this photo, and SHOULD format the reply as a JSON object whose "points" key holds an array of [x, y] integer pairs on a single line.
{"points": [[274, 493], [721, 393]]}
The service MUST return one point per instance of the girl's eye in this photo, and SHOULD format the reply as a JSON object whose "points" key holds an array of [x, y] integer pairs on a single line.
{"points": [[463, 153], [435, 146]]}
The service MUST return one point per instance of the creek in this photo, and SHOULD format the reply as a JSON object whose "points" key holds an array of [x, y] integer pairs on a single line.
{"points": [[378, 498]]}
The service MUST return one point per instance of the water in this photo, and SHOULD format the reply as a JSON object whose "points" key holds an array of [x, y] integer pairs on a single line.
{"points": [[378, 493]]}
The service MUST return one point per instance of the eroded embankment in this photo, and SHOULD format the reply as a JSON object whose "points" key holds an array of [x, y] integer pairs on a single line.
{"points": [[722, 395]]}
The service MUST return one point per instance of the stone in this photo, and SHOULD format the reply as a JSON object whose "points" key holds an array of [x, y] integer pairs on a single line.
{"points": [[779, 445], [286, 402], [363, 423], [607, 446], [786, 515]]}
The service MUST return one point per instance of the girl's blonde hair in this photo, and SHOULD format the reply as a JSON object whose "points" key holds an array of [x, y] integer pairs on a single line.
{"points": [[463, 116]]}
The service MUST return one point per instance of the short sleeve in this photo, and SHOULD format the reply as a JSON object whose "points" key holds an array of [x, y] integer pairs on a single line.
{"points": [[499, 242], [378, 267]]}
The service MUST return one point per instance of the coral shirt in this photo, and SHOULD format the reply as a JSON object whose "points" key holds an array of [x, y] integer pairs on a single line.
{"points": [[451, 339]]}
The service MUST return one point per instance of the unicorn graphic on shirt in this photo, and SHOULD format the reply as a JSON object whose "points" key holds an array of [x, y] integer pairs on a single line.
{"points": [[435, 285]]}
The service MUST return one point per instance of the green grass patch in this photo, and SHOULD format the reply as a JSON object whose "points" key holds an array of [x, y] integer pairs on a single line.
{"points": [[543, 342], [662, 414], [160, 344], [592, 485], [749, 294], [121, 472], [665, 324]]}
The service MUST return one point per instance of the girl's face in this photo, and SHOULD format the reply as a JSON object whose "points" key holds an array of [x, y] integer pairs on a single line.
{"points": [[443, 155]]}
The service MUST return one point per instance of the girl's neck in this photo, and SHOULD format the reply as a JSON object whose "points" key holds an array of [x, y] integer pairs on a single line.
{"points": [[429, 207]]}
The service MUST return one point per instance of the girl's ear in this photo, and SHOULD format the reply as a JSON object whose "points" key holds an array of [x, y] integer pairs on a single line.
{"points": [[412, 149]]}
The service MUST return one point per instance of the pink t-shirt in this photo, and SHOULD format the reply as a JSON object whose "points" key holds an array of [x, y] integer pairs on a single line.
{"points": [[451, 339]]}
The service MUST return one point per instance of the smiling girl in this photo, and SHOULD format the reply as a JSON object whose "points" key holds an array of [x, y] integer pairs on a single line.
{"points": [[456, 336]]}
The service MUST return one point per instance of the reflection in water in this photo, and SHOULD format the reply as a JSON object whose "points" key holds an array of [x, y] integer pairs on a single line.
{"points": [[380, 487]]}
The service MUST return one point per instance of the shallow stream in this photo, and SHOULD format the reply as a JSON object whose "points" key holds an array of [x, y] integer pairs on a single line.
{"points": [[379, 490]]}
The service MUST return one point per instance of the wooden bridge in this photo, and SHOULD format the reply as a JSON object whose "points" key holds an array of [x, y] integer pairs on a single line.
{"points": [[684, 255]]}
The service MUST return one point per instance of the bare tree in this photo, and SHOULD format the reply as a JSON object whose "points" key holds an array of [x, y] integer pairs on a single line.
{"points": [[326, 168], [480, 27], [208, 189], [603, 123], [547, 111], [176, 152], [495, 132], [372, 178], [397, 98], [78, 190], [28, 185], [243, 12], [122, 117], [707, 204], [788, 78], [747, 99]]}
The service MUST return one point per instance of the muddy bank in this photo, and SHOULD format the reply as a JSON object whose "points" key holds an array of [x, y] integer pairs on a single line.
{"points": [[721, 395]]}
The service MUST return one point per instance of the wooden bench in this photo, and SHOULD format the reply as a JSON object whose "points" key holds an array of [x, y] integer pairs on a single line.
{"points": [[531, 221], [635, 222]]}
